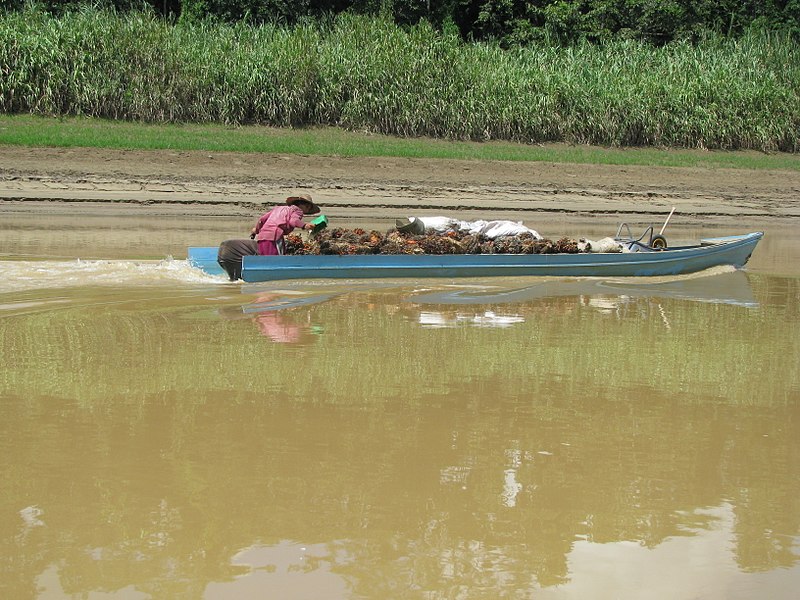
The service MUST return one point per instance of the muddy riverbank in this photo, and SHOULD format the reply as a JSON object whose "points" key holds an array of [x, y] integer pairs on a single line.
{"points": [[46, 180]]}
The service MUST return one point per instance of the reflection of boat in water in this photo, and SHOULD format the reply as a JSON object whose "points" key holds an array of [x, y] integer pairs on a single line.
{"points": [[732, 287], [499, 309], [485, 319], [732, 250], [489, 307]]}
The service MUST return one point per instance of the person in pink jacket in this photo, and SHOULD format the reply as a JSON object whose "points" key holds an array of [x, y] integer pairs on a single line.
{"points": [[272, 226]]}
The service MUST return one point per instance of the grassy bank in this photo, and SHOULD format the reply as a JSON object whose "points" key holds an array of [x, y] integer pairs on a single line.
{"points": [[369, 75], [26, 130]]}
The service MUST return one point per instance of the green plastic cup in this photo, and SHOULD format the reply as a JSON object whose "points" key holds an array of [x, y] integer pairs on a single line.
{"points": [[320, 223]]}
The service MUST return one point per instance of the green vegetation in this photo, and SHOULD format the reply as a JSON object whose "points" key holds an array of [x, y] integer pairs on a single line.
{"points": [[26, 130], [507, 22], [370, 75]]}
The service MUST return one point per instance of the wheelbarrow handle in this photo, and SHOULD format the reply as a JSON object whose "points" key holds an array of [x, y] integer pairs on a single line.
{"points": [[667, 221]]}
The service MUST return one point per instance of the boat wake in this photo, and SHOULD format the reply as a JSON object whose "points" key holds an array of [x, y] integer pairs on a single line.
{"points": [[20, 276]]}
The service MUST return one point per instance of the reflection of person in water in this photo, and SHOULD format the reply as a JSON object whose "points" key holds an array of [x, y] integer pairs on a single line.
{"points": [[276, 318], [281, 326], [275, 327]]}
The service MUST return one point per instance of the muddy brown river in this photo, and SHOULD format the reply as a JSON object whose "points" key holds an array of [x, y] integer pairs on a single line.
{"points": [[167, 434]]}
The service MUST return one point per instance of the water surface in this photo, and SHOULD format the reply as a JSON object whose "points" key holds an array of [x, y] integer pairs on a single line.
{"points": [[167, 434]]}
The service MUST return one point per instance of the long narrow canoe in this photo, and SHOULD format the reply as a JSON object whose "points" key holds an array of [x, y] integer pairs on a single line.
{"points": [[731, 250]]}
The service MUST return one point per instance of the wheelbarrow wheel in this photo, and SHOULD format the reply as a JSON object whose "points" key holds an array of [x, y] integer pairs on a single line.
{"points": [[658, 242]]}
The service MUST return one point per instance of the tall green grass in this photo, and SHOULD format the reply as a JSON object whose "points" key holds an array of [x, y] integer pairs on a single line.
{"points": [[368, 74]]}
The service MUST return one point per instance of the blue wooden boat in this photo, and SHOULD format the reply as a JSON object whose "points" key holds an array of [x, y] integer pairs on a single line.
{"points": [[732, 250]]}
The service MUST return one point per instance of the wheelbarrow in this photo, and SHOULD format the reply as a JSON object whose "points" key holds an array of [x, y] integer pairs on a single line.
{"points": [[655, 241]]}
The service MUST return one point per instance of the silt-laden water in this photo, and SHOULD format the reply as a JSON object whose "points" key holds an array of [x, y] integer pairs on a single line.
{"points": [[166, 434]]}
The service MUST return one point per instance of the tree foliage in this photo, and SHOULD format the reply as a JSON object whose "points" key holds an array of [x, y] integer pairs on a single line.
{"points": [[508, 22]]}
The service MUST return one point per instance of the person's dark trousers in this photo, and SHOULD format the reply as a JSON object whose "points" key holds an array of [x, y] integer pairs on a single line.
{"points": [[230, 256]]}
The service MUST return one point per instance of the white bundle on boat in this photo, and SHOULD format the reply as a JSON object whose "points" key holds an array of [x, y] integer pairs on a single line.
{"points": [[490, 229], [607, 244]]}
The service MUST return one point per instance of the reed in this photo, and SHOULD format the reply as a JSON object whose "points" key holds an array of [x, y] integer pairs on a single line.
{"points": [[367, 74]]}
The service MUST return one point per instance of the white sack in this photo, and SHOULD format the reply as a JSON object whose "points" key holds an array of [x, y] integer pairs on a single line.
{"points": [[491, 229]]}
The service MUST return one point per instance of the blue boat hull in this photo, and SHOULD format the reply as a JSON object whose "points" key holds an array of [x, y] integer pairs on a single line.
{"points": [[732, 250], [205, 259]]}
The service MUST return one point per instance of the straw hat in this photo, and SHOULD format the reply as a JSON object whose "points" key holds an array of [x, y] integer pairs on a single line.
{"points": [[305, 202]]}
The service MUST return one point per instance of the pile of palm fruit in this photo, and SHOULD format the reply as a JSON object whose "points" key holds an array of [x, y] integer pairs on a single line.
{"points": [[453, 241]]}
